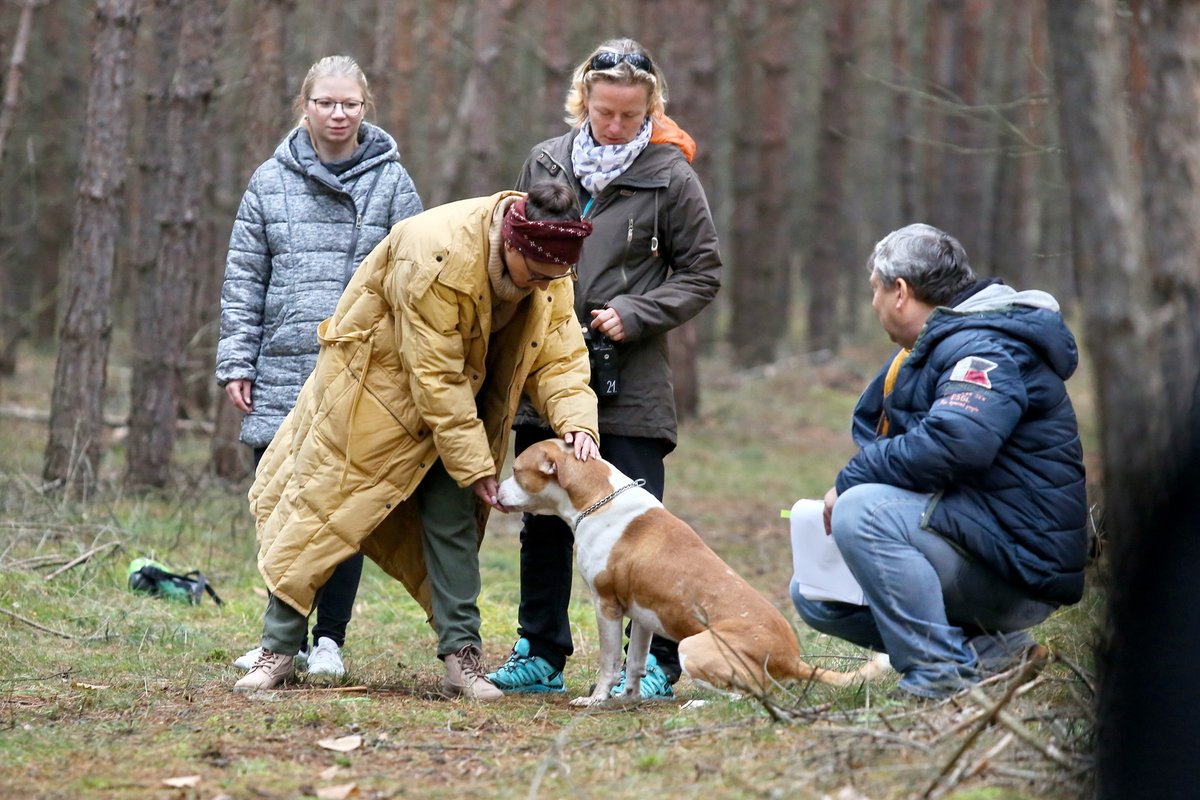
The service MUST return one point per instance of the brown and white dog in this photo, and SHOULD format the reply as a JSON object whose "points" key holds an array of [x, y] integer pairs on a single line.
{"points": [[642, 562]]}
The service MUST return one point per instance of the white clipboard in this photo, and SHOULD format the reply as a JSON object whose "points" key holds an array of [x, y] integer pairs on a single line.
{"points": [[820, 573]]}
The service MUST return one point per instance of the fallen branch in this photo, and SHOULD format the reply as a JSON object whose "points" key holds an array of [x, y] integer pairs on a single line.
{"points": [[1024, 673], [33, 624], [77, 561], [1027, 736], [969, 770]]}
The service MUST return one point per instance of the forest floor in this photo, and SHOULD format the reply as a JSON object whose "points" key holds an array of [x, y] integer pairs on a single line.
{"points": [[108, 694]]}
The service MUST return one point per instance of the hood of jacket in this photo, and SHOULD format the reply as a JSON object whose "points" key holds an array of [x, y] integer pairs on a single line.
{"points": [[296, 152], [1031, 316]]}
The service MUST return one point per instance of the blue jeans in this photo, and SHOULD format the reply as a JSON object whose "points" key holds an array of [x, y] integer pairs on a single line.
{"points": [[944, 619]]}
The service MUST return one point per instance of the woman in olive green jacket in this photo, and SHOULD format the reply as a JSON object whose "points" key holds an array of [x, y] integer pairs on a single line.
{"points": [[395, 442]]}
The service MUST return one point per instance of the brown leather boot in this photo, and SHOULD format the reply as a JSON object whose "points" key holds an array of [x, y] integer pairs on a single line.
{"points": [[466, 676]]}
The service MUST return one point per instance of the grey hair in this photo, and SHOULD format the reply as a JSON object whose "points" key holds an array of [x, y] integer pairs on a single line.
{"points": [[929, 260]]}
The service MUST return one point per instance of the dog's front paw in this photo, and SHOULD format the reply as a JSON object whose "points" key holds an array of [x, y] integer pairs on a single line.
{"points": [[586, 701]]}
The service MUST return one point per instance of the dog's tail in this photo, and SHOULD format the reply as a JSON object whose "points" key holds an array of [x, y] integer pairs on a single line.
{"points": [[876, 666]]}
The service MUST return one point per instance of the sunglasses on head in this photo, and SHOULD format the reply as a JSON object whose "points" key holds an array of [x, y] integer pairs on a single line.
{"points": [[607, 59]]}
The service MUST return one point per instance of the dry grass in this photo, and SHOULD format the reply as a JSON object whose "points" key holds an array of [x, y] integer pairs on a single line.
{"points": [[105, 694]]}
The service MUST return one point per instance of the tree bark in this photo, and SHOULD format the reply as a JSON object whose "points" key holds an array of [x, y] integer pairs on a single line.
{"points": [[270, 117], [749, 281], [14, 288], [1109, 253], [160, 364], [16, 66], [1171, 189], [900, 125], [270, 100], [693, 94], [74, 449], [828, 259], [1012, 232]]}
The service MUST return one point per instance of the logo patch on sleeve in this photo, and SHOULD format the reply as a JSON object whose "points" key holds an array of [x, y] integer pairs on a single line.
{"points": [[973, 369]]}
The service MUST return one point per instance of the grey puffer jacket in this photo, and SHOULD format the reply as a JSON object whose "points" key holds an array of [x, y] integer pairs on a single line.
{"points": [[300, 233], [653, 256]]}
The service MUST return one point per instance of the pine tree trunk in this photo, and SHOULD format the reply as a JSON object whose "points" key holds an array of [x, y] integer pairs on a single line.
{"points": [[1171, 190], [74, 448], [827, 261], [748, 282], [161, 360], [900, 126], [270, 118], [693, 105]]}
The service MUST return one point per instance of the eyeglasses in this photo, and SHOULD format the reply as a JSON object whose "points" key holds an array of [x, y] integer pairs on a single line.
{"points": [[572, 273], [607, 59], [352, 108]]}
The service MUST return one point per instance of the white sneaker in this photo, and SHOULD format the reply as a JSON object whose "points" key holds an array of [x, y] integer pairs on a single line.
{"points": [[326, 659], [247, 660]]}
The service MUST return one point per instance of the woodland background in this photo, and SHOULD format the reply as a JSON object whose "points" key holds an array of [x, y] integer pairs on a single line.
{"points": [[1058, 139]]}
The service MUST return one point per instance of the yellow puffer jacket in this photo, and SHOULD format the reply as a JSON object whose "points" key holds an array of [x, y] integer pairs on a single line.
{"points": [[409, 372]]}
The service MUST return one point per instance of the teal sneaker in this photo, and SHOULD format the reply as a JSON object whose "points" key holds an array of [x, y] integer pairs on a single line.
{"points": [[655, 685], [525, 673]]}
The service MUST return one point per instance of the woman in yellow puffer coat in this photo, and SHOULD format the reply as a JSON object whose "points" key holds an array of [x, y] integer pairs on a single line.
{"points": [[395, 443]]}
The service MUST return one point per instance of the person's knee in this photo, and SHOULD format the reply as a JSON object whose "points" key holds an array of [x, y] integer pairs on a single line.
{"points": [[867, 513], [853, 509]]}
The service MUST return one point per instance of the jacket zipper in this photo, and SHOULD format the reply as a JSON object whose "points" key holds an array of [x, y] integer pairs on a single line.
{"points": [[625, 257], [348, 270]]}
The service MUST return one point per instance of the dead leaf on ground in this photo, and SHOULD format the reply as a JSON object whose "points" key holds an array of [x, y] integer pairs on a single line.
{"points": [[338, 792], [342, 744], [82, 685], [330, 774], [182, 782]]}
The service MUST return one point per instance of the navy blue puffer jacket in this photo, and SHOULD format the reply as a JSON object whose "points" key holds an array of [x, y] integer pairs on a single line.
{"points": [[980, 417]]}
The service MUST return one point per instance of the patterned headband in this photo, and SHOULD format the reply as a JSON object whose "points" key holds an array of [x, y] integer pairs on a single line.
{"points": [[551, 241]]}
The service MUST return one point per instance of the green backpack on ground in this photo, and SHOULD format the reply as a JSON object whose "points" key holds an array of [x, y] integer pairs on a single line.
{"points": [[147, 576]]}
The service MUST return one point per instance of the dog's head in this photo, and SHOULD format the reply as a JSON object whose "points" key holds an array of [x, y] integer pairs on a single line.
{"points": [[548, 479]]}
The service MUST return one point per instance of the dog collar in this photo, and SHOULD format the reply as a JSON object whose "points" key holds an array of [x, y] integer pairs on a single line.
{"points": [[592, 508]]}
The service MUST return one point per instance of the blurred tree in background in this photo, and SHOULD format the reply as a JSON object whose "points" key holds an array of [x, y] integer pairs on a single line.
{"points": [[821, 126]]}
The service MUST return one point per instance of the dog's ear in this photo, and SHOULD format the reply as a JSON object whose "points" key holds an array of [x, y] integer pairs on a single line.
{"points": [[548, 466]]}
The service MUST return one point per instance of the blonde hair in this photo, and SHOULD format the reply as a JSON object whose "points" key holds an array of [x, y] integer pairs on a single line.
{"points": [[623, 73], [330, 66]]}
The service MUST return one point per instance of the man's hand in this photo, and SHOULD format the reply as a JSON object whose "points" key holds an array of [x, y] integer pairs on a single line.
{"points": [[585, 446], [830, 498], [608, 322], [239, 392], [486, 489]]}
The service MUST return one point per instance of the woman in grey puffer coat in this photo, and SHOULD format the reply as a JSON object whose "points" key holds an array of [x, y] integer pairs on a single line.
{"points": [[311, 214]]}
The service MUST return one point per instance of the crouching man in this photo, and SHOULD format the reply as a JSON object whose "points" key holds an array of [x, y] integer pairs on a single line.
{"points": [[962, 516]]}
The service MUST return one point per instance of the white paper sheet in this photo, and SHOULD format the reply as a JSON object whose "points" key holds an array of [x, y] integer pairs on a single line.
{"points": [[820, 572]]}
